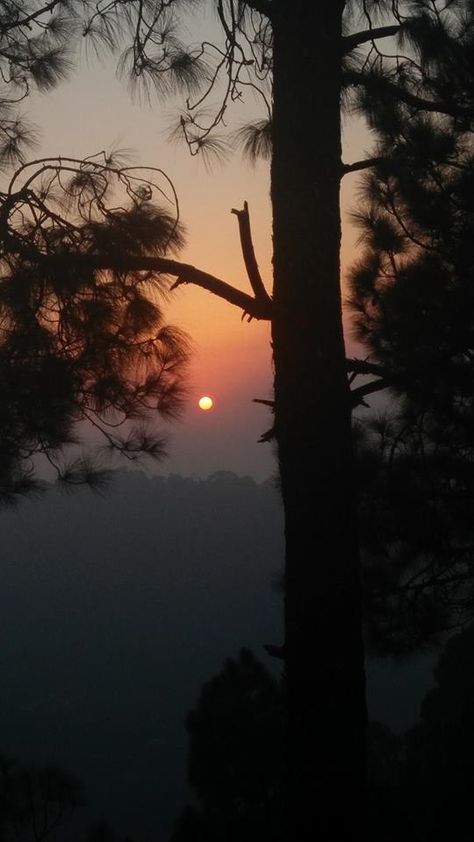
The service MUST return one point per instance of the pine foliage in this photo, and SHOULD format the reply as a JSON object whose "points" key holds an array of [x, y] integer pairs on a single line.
{"points": [[80, 344], [412, 295]]}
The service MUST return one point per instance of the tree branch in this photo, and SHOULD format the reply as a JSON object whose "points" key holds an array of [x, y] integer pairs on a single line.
{"points": [[358, 395], [248, 252], [362, 165], [184, 273], [16, 24], [386, 87], [350, 42], [365, 367]]}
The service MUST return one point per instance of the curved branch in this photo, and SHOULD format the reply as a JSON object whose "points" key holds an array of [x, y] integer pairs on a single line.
{"points": [[386, 87], [350, 42], [185, 273]]}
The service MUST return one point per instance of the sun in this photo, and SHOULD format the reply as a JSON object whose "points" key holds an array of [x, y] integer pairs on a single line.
{"points": [[205, 403]]}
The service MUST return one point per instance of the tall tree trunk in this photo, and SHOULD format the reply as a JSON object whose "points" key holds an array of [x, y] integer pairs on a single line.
{"points": [[324, 652]]}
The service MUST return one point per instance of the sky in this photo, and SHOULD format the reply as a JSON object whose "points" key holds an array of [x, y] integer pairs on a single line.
{"points": [[231, 359]]}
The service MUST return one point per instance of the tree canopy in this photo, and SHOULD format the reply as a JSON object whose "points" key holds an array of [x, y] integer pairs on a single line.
{"points": [[411, 292], [81, 343], [235, 756]]}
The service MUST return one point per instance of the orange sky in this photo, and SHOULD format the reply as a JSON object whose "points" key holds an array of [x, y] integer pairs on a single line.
{"points": [[231, 359]]}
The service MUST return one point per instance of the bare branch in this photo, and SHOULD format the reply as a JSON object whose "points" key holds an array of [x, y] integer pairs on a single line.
{"points": [[248, 253], [358, 395], [184, 273], [362, 165], [350, 42]]}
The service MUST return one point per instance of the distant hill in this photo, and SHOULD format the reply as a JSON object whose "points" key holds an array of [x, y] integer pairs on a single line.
{"points": [[114, 612]]}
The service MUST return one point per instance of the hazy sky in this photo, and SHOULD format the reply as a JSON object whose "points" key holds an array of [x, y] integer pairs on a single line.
{"points": [[231, 359]]}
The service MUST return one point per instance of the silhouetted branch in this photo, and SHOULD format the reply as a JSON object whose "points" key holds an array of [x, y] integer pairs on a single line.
{"points": [[17, 23], [187, 274], [358, 395], [365, 367], [267, 436], [248, 253], [184, 273], [362, 165], [385, 87], [350, 42], [264, 402]]}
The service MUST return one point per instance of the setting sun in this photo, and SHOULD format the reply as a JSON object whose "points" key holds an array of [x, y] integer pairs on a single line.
{"points": [[205, 403]]}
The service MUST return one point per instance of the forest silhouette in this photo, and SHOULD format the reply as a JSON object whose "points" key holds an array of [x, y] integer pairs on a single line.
{"points": [[419, 782]]}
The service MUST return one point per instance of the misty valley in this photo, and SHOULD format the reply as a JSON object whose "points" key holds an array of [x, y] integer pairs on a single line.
{"points": [[116, 608]]}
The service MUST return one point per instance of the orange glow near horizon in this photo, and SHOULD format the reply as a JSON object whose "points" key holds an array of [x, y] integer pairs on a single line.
{"points": [[230, 358]]}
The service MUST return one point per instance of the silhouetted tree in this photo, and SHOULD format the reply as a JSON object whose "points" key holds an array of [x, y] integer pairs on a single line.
{"points": [[412, 292], [77, 344], [80, 344], [387, 814], [294, 50], [235, 756], [235, 763], [40, 802], [34, 802], [307, 55], [440, 749]]}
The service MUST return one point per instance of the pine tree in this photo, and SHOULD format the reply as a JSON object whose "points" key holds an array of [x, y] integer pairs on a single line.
{"points": [[77, 346], [80, 344], [412, 292], [308, 55], [439, 758], [235, 756]]}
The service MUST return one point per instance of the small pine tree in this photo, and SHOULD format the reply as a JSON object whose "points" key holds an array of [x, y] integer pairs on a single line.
{"points": [[235, 756]]}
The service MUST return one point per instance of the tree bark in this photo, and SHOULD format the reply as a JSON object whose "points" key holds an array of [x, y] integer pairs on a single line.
{"points": [[326, 714]]}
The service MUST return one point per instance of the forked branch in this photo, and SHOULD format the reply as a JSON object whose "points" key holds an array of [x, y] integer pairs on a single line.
{"points": [[365, 367], [356, 367], [90, 181], [187, 274]]}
